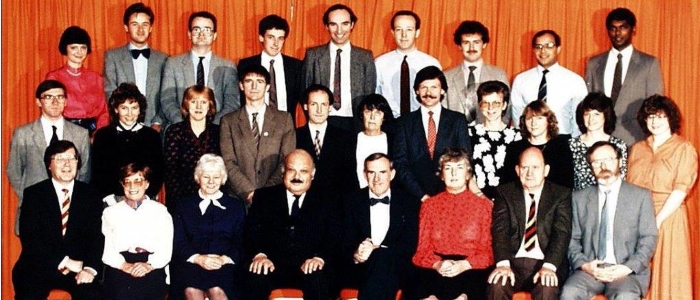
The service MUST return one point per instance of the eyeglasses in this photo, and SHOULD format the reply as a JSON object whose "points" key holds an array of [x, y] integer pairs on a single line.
{"points": [[202, 30], [656, 117], [138, 182], [490, 105], [548, 46], [599, 162], [64, 158], [51, 98]]}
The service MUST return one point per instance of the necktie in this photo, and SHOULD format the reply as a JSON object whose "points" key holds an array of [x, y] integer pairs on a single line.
{"points": [[145, 52], [54, 136], [373, 201], [432, 134], [295, 207], [542, 92], [617, 79], [405, 88], [200, 71], [471, 81], [255, 130], [531, 225], [603, 229], [317, 144], [65, 205], [273, 86], [336, 81]]}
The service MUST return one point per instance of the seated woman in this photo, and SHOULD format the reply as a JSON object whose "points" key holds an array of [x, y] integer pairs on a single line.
{"points": [[138, 240], [208, 237], [454, 252], [376, 135]]}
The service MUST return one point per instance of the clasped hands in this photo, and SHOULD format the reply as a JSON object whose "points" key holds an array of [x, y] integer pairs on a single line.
{"points": [[504, 274], [82, 275], [263, 265], [452, 268], [138, 269], [211, 261], [364, 250], [605, 274]]}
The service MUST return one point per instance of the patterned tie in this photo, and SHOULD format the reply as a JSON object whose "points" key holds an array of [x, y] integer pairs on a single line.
{"points": [[255, 130], [542, 93], [603, 229], [617, 80], [54, 136], [531, 225], [432, 134], [273, 86], [336, 81], [317, 144], [65, 205], [200, 71], [405, 88]]}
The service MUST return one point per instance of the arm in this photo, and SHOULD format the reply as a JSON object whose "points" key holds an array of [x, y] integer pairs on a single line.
{"points": [[109, 73], [17, 162], [39, 238], [560, 234], [655, 83], [155, 161], [172, 158], [686, 159], [182, 249], [308, 75], [403, 171], [288, 144], [231, 92], [110, 255], [94, 238], [101, 104], [500, 229], [168, 93], [575, 251], [518, 102], [162, 254], [425, 253], [646, 237], [579, 93], [237, 181], [82, 141], [370, 78]]}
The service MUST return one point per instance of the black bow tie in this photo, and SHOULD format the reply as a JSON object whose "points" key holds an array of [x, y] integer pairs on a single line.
{"points": [[145, 52], [373, 201]]}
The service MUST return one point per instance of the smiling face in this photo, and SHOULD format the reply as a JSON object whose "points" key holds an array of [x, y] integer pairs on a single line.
{"points": [[139, 29], [594, 120], [537, 127], [76, 54], [298, 172], [430, 92], [405, 33], [620, 34], [210, 180], [379, 175], [472, 46], [198, 106], [135, 187], [492, 106], [64, 166], [128, 113], [318, 107], [455, 174], [272, 41], [339, 26], [546, 50], [658, 123]]}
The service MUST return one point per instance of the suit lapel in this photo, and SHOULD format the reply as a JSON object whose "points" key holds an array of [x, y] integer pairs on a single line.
{"points": [[600, 72], [246, 133], [364, 214], [127, 63], [418, 132], [211, 78], [187, 68], [38, 133], [324, 62], [442, 138], [395, 220], [267, 131], [458, 83], [633, 70], [592, 208], [153, 76]]}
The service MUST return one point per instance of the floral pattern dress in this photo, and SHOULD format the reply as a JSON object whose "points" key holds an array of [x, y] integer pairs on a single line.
{"points": [[489, 153], [583, 174]]}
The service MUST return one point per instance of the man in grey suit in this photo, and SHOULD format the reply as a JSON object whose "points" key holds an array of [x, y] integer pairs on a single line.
{"points": [[255, 139], [199, 66], [613, 235], [136, 62], [471, 37], [347, 70], [29, 141], [624, 74]]}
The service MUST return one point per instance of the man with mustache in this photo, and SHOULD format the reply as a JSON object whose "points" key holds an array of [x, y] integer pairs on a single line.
{"points": [[613, 234]]}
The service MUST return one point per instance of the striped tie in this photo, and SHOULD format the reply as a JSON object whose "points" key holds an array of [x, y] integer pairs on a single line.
{"points": [[256, 130], [542, 93], [65, 205], [531, 225]]}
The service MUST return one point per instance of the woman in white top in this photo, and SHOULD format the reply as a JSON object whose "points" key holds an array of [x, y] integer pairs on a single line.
{"points": [[376, 135]]}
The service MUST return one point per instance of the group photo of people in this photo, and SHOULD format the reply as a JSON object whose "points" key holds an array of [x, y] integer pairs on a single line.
{"points": [[352, 150]]}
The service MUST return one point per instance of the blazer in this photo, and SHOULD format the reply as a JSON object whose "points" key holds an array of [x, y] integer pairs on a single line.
{"points": [[363, 73], [553, 222], [457, 91], [634, 230], [292, 78], [178, 75], [317, 232], [643, 79], [415, 169], [43, 245], [249, 168], [119, 68]]}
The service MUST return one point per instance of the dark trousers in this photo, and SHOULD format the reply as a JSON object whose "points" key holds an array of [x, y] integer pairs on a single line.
{"points": [[524, 269], [122, 286], [471, 283], [37, 284], [379, 278], [315, 285]]}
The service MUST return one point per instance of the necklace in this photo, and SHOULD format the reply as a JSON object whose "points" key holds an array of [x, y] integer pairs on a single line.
{"points": [[73, 71]]}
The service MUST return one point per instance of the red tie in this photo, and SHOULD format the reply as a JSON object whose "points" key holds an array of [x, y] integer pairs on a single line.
{"points": [[432, 134], [531, 225], [65, 205]]}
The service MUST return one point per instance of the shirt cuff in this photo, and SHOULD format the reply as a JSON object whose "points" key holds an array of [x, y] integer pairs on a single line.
{"points": [[260, 255], [191, 259], [63, 263], [503, 263], [90, 270], [549, 266]]}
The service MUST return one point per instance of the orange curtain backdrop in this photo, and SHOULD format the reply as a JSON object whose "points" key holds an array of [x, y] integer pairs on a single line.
{"points": [[31, 30]]}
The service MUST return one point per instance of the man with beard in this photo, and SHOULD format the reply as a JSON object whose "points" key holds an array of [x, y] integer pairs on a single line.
{"points": [[614, 233]]}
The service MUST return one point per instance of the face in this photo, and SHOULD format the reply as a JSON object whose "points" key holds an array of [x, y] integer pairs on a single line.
{"points": [[198, 106], [594, 120], [658, 124], [139, 29], [429, 91], [492, 106], [405, 32], [620, 34], [605, 165], [318, 107], [379, 175], [339, 26], [128, 112], [64, 166], [135, 187], [532, 169], [76, 53], [546, 51], [298, 173], [372, 120], [254, 87], [272, 41], [472, 46], [455, 175], [52, 108], [210, 180], [201, 33], [537, 126]]}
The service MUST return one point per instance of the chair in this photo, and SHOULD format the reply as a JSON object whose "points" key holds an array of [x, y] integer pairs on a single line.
{"points": [[59, 295], [526, 296], [351, 294], [286, 294]]}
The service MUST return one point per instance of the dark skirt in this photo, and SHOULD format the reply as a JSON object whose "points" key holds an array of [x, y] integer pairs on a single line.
{"points": [[119, 285]]}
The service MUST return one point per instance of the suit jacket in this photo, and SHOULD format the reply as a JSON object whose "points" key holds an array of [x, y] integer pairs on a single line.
{"points": [[363, 73], [317, 232], [292, 78], [457, 91], [634, 230], [178, 75], [643, 79], [119, 68], [553, 222], [249, 168], [25, 166], [43, 245], [416, 170]]}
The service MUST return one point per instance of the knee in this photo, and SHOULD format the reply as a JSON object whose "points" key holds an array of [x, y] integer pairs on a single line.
{"points": [[569, 292], [193, 293], [216, 293], [623, 296]]}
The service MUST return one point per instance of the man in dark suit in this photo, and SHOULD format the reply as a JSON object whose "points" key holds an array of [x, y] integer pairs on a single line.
{"points": [[624, 74], [610, 257], [292, 235], [285, 71], [347, 70], [255, 139], [59, 231], [330, 146], [531, 229], [424, 133], [137, 63], [381, 229], [199, 66]]}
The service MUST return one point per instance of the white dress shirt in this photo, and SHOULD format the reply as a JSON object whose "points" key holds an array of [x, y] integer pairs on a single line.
{"points": [[379, 217], [48, 131], [437, 111], [291, 198], [322, 132], [345, 86], [610, 64], [613, 194], [141, 69], [206, 62], [280, 82], [260, 117]]}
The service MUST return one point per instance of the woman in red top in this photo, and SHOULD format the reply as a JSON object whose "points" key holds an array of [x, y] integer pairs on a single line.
{"points": [[454, 252]]}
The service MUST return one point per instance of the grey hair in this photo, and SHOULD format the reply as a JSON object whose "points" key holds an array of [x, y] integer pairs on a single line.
{"points": [[210, 161]]}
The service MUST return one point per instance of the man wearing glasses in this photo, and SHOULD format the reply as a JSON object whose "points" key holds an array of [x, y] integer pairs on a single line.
{"points": [[559, 87], [201, 67], [30, 140]]}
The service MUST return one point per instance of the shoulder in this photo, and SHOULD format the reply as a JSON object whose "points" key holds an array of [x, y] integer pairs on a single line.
{"points": [[452, 72], [316, 50], [181, 58], [582, 195], [246, 61], [362, 51], [221, 61], [643, 56], [557, 190], [493, 69], [121, 50], [39, 187], [524, 74], [290, 60]]}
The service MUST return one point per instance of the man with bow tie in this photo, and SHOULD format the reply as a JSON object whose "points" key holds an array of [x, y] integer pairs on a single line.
{"points": [[136, 62], [381, 226]]}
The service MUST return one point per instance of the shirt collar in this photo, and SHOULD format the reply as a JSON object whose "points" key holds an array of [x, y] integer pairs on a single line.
{"points": [[345, 48], [321, 127], [59, 186], [133, 47], [213, 199], [195, 56], [45, 122], [386, 194], [478, 64], [627, 52], [555, 66], [264, 57], [614, 186]]}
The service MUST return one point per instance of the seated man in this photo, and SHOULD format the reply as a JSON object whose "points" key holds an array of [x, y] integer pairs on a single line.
{"points": [[291, 235], [614, 233], [59, 231]]}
